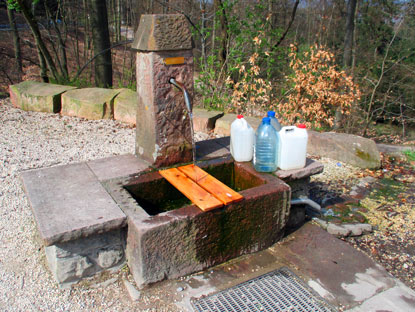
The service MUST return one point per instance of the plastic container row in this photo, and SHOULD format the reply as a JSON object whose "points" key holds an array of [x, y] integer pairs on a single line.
{"points": [[272, 146]]}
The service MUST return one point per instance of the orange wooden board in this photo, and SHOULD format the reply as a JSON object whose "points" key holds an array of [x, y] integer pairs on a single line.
{"points": [[200, 197], [222, 192]]}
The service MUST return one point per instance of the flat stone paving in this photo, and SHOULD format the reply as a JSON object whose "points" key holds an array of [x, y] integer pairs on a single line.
{"points": [[117, 166], [343, 276], [69, 201]]}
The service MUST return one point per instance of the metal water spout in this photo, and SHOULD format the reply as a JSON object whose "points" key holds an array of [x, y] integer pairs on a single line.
{"points": [[187, 99], [188, 103]]}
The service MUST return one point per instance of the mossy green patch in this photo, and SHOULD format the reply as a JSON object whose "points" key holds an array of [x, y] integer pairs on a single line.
{"points": [[410, 155], [363, 155], [348, 213], [387, 189]]}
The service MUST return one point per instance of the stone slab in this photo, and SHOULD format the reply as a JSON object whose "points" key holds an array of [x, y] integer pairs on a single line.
{"points": [[397, 299], [68, 203], [38, 96], [117, 166], [223, 124], [214, 148], [351, 149], [163, 32], [347, 275], [125, 106], [204, 120], [90, 103], [312, 167]]}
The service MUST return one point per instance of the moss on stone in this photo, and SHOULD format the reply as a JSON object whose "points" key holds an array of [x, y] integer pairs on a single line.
{"points": [[363, 155]]}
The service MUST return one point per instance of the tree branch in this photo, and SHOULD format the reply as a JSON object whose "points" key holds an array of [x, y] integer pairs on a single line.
{"points": [[96, 55], [297, 2]]}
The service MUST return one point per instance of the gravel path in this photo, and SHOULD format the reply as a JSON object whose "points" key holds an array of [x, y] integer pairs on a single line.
{"points": [[36, 140]]}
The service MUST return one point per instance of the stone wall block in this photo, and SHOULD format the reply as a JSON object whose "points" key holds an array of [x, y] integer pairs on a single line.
{"points": [[125, 106], [90, 103], [71, 261], [70, 269], [204, 120], [223, 124], [110, 257], [38, 96]]}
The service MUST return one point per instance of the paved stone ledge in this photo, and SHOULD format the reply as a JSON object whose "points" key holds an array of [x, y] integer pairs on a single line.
{"points": [[312, 167], [117, 166], [215, 148], [69, 202]]}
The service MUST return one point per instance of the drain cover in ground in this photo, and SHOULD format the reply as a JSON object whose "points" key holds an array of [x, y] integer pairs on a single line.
{"points": [[279, 290]]}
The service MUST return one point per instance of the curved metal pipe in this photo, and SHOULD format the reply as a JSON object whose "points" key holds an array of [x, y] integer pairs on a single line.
{"points": [[181, 87], [307, 201]]}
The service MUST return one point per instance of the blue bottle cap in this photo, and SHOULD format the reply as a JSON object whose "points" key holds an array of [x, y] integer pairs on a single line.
{"points": [[271, 114], [266, 120]]}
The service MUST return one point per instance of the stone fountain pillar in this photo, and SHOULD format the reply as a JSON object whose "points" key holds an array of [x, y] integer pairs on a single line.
{"points": [[164, 50]]}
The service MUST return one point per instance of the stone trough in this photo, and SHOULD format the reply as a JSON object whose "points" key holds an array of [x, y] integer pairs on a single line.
{"points": [[169, 244]]}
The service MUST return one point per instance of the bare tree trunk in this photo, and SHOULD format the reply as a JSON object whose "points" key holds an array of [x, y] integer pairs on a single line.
{"points": [[62, 59], [43, 67], [16, 42], [38, 39], [118, 24], [202, 30], [348, 38], [222, 33], [354, 42], [382, 72], [101, 42]]}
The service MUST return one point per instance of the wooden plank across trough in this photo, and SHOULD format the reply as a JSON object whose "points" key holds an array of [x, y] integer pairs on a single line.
{"points": [[201, 188]]}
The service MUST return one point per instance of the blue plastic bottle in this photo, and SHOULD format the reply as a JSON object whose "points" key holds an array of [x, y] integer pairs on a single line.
{"points": [[274, 121], [266, 147]]}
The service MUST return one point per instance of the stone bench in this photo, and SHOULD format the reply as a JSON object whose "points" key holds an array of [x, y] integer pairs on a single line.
{"points": [[81, 226], [91, 103], [38, 96]]}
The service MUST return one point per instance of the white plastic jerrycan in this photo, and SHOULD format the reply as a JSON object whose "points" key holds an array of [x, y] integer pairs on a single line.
{"points": [[242, 139], [293, 150]]}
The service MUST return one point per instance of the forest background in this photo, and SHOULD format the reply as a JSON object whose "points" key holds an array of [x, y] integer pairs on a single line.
{"points": [[333, 64]]}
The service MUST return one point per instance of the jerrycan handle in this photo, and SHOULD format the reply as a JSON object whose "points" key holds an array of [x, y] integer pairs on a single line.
{"points": [[289, 128]]}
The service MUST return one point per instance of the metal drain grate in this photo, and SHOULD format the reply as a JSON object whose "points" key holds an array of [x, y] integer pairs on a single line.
{"points": [[279, 290]]}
